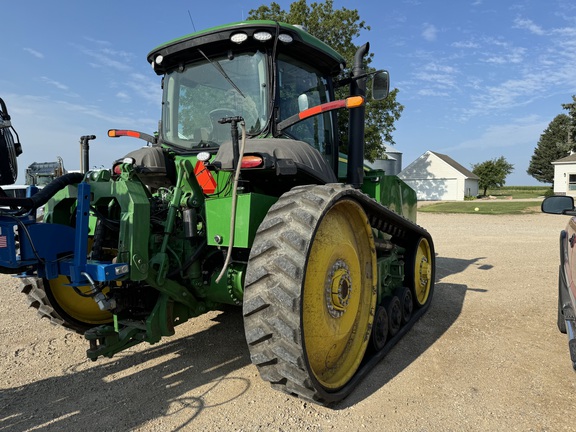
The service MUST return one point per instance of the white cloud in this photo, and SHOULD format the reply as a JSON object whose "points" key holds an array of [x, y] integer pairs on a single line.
{"points": [[146, 87], [519, 132], [465, 44], [35, 53], [97, 41], [54, 83], [432, 93], [513, 55], [123, 96], [430, 32], [529, 25], [107, 57], [435, 79]]}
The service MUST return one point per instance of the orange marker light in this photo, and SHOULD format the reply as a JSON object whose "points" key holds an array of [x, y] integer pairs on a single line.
{"points": [[112, 133], [354, 101]]}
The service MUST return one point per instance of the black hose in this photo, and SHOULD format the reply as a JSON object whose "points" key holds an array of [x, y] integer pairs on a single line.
{"points": [[190, 260], [43, 195], [23, 205]]}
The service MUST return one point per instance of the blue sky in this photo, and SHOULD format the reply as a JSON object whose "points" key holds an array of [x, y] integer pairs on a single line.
{"points": [[479, 79]]}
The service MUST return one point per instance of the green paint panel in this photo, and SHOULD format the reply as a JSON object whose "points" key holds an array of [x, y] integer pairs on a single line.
{"points": [[391, 192], [250, 212]]}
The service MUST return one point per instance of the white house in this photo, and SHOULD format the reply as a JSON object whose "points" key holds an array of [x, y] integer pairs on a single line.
{"points": [[437, 177], [565, 175]]}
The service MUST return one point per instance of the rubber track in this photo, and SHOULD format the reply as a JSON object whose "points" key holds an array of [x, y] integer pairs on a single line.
{"points": [[38, 299], [276, 267]]}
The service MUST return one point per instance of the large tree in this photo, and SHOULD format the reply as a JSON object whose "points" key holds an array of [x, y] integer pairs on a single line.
{"points": [[339, 28], [571, 108], [553, 145], [492, 173]]}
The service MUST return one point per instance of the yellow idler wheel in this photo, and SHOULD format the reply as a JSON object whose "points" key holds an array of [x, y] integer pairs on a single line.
{"points": [[423, 272], [339, 296], [84, 310]]}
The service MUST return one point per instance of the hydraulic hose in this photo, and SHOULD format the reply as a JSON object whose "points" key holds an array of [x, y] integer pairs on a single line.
{"points": [[234, 203], [23, 205], [59, 183]]}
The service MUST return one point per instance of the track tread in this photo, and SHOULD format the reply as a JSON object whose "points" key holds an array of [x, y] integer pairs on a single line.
{"points": [[272, 310], [33, 288]]}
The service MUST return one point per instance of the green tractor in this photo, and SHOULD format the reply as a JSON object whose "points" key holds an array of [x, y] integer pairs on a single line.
{"points": [[242, 198]]}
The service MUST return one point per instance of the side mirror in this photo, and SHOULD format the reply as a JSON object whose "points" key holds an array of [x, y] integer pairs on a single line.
{"points": [[558, 204], [380, 85]]}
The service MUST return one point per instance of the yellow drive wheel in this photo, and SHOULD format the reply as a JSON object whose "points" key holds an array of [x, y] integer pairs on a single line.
{"points": [[423, 272], [339, 294], [84, 310], [310, 292]]}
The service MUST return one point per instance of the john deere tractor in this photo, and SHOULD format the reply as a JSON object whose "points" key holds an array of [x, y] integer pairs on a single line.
{"points": [[241, 198]]}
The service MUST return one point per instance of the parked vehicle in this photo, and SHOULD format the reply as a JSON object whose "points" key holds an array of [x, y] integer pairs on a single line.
{"points": [[564, 205]]}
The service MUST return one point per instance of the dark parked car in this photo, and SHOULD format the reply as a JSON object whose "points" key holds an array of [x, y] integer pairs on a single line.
{"points": [[564, 205]]}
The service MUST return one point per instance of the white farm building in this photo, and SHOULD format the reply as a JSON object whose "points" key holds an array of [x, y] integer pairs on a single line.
{"points": [[565, 176], [437, 177]]}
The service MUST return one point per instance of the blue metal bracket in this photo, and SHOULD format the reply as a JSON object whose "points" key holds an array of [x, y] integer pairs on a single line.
{"points": [[80, 265]]}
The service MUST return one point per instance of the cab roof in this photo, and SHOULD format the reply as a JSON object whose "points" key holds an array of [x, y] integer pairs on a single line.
{"points": [[215, 40]]}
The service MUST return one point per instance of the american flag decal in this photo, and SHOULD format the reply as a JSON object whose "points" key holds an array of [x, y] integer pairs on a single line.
{"points": [[3, 242]]}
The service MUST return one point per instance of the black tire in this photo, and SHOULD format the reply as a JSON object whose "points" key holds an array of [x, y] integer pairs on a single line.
{"points": [[394, 310], [8, 162], [406, 303], [380, 329], [279, 299]]}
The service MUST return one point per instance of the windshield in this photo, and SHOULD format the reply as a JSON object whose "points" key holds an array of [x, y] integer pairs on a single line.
{"points": [[204, 92], [303, 87]]}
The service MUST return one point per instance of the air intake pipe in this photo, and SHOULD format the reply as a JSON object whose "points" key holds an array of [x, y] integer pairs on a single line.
{"points": [[355, 173]]}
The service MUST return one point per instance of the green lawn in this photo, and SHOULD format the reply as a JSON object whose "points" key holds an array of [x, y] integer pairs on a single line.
{"points": [[495, 207]]}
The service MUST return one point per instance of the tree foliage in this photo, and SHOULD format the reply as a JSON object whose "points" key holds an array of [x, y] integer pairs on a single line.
{"points": [[552, 145], [571, 108], [492, 173], [339, 28]]}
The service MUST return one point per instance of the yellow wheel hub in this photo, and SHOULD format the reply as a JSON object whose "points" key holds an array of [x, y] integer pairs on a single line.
{"points": [[422, 272], [339, 295], [82, 309]]}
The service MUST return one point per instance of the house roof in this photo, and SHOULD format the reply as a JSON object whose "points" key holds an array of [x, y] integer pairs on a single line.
{"points": [[567, 159], [455, 165]]}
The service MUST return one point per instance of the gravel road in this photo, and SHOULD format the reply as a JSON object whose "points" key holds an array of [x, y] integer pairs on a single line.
{"points": [[486, 357]]}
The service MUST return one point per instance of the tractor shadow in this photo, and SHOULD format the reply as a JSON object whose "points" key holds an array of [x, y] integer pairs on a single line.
{"points": [[182, 377], [444, 311], [188, 375]]}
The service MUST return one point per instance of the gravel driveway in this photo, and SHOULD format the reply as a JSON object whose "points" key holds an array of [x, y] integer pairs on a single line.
{"points": [[486, 357]]}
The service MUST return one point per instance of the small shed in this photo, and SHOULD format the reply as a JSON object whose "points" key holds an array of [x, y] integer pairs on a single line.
{"points": [[565, 175], [437, 177]]}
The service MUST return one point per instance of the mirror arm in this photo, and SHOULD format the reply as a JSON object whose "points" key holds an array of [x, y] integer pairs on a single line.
{"points": [[346, 81]]}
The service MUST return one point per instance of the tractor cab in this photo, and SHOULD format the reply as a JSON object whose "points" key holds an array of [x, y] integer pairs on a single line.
{"points": [[274, 78]]}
